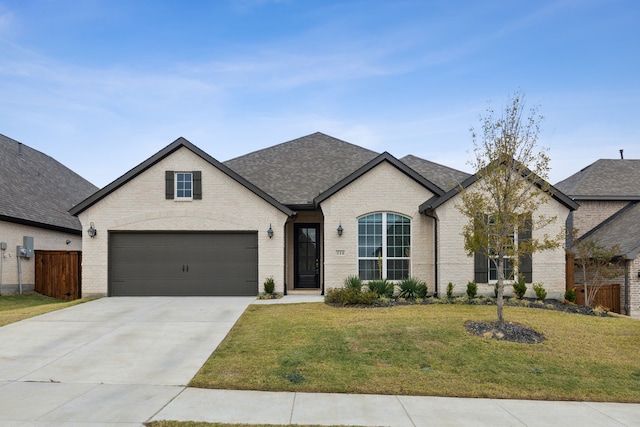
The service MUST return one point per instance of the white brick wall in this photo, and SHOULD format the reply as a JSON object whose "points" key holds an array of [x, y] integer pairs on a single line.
{"points": [[593, 212], [382, 189], [141, 205], [455, 266], [43, 239]]}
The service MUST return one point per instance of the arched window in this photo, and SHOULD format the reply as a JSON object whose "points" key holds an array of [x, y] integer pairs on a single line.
{"points": [[384, 246]]}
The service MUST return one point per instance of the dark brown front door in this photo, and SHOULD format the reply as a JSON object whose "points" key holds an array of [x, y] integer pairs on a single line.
{"points": [[307, 255]]}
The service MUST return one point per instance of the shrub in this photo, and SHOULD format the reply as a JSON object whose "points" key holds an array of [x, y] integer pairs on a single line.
{"points": [[345, 296], [570, 295], [541, 293], [382, 288], [519, 288], [269, 285], [411, 288], [495, 290], [472, 290], [450, 287], [353, 282]]}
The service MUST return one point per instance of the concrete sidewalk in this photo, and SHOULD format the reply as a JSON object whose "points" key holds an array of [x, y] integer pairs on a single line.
{"points": [[257, 407], [124, 361]]}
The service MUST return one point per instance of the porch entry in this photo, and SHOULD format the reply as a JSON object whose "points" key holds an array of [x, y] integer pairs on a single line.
{"points": [[307, 255]]}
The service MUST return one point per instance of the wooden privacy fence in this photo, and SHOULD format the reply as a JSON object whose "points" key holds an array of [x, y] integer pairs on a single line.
{"points": [[607, 296], [58, 274]]}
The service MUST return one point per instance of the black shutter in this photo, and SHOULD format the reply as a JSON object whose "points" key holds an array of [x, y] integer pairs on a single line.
{"points": [[526, 265], [197, 185], [481, 268], [168, 184]]}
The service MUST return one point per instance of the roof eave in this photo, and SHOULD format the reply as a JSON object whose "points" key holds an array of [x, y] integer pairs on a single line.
{"points": [[42, 225]]}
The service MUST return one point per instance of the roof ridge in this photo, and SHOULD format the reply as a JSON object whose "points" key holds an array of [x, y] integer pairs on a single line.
{"points": [[314, 134]]}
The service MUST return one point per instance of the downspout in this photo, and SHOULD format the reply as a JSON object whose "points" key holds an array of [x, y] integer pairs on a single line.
{"points": [[626, 287], [435, 250], [284, 291]]}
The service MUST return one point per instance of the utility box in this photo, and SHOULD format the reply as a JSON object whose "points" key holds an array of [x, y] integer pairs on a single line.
{"points": [[27, 243], [21, 251]]}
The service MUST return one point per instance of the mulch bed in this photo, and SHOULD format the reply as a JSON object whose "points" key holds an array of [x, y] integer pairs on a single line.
{"points": [[509, 332]]}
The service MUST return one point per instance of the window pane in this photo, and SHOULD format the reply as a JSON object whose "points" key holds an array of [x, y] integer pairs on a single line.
{"points": [[380, 252], [368, 269], [184, 183], [397, 269]]}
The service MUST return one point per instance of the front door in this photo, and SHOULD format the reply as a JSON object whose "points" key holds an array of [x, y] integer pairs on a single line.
{"points": [[307, 255]]}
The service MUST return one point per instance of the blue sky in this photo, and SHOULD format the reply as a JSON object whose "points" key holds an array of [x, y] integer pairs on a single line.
{"points": [[103, 85]]}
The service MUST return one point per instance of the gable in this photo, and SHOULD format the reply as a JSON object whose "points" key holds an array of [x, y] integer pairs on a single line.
{"points": [[180, 146], [437, 201], [382, 158]]}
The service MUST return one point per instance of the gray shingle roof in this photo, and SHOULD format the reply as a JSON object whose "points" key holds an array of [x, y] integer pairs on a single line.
{"points": [[38, 190], [443, 176], [605, 179], [620, 229], [297, 171]]}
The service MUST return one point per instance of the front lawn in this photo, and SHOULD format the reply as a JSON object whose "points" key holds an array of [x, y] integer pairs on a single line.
{"points": [[14, 308], [425, 350]]}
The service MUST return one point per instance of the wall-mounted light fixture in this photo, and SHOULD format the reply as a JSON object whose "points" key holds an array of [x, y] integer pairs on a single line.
{"points": [[68, 241], [340, 229], [270, 231], [92, 231]]}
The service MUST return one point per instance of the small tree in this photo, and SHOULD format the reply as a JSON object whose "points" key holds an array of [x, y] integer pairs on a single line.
{"points": [[596, 262], [510, 186]]}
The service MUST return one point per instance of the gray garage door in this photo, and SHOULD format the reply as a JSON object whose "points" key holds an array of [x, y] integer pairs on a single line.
{"points": [[172, 264]]}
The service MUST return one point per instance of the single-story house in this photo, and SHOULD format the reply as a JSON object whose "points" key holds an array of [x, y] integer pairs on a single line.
{"points": [[608, 192], [308, 212], [35, 197]]}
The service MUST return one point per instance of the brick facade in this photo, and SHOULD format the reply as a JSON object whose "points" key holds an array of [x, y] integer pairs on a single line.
{"points": [[140, 205], [456, 267], [382, 189], [593, 212]]}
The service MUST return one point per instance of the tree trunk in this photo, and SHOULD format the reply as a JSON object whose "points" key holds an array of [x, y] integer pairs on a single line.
{"points": [[500, 291]]}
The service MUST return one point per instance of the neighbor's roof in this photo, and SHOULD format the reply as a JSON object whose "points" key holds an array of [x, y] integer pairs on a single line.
{"points": [[605, 179], [443, 176], [620, 229], [297, 171], [168, 150], [37, 190]]}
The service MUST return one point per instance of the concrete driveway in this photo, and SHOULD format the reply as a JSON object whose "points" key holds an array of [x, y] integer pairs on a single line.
{"points": [[109, 361]]}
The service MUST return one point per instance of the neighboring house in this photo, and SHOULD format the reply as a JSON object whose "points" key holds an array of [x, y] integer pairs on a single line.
{"points": [[608, 192], [308, 212], [36, 193]]}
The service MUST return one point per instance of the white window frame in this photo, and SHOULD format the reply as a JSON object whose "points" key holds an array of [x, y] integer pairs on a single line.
{"points": [[494, 267], [178, 190], [384, 258]]}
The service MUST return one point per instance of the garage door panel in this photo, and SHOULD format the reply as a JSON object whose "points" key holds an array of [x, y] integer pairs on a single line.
{"points": [[183, 264]]}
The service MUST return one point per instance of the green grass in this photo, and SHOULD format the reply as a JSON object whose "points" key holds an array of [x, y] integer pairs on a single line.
{"points": [[14, 308], [205, 424], [425, 350]]}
